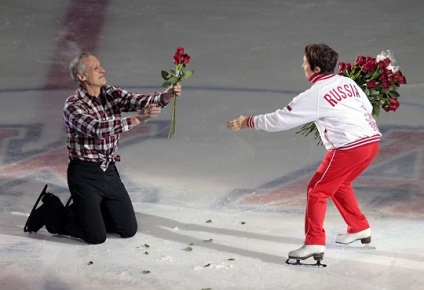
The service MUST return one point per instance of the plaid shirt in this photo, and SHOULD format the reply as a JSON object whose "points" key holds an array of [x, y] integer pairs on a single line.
{"points": [[93, 125]]}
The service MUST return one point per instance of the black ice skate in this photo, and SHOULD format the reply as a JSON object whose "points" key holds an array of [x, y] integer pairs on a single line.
{"points": [[38, 216]]}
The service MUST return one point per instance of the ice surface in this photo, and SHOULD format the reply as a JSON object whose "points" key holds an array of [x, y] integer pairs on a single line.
{"points": [[250, 185]]}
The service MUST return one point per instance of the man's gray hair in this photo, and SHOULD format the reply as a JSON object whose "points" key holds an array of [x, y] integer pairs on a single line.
{"points": [[77, 67]]}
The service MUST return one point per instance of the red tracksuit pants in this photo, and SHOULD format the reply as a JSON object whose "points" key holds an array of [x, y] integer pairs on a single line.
{"points": [[333, 179]]}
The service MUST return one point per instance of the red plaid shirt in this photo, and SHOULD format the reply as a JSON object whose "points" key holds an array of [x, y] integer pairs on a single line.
{"points": [[93, 125]]}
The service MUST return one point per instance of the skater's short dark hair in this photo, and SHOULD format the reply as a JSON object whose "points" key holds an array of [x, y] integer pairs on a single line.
{"points": [[322, 56]]}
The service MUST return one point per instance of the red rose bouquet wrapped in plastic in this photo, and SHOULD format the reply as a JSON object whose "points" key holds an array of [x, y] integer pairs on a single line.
{"points": [[175, 76], [378, 77]]}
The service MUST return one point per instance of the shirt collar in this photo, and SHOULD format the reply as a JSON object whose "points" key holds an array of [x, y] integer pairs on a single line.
{"points": [[319, 76], [86, 94]]}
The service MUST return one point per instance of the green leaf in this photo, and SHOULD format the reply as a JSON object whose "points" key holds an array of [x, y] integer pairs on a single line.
{"points": [[243, 223], [366, 91], [208, 221], [376, 110], [165, 75], [188, 73], [188, 249], [309, 128], [394, 94], [146, 245], [166, 84], [374, 92], [231, 259], [394, 87]]}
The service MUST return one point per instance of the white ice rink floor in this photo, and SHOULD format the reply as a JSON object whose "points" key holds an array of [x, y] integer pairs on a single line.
{"points": [[216, 209]]}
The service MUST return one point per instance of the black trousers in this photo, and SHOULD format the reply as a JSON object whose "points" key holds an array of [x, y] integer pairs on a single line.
{"points": [[101, 204]]}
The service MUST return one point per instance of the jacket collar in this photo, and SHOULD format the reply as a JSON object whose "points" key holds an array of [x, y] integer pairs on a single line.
{"points": [[319, 76]]}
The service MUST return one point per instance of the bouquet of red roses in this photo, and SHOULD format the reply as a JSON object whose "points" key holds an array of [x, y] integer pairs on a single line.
{"points": [[173, 77], [379, 77]]}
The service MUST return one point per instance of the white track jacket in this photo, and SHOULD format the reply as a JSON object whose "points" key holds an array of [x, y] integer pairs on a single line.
{"points": [[340, 109]]}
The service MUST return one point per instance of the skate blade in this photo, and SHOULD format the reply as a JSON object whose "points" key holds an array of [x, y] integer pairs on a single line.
{"points": [[317, 257], [297, 262], [362, 247]]}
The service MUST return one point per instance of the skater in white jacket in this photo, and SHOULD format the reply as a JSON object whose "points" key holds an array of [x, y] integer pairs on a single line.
{"points": [[342, 113]]}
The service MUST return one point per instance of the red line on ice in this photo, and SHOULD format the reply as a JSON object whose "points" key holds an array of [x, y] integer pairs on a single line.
{"points": [[80, 30]]}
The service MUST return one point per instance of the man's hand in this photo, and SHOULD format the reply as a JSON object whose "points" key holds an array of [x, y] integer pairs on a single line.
{"points": [[148, 112], [168, 94], [237, 124]]}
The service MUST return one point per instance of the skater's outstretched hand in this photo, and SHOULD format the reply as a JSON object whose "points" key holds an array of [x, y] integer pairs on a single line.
{"points": [[237, 124]]}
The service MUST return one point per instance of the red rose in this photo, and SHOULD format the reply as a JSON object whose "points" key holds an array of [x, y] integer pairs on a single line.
{"points": [[384, 63], [360, 60], [386, 84], [398, 73], [371, 84], [185, 58], [392, 106], [345, 67], [178, 56], [342, 66], [384, 70], [401, 80], [387, 61], [370, 65], [400, 77]]}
